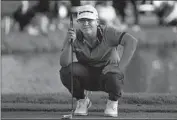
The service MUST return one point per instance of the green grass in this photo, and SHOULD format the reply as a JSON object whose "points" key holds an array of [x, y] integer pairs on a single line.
{"points": [[96, 97], [126, 108], [61, 102]]}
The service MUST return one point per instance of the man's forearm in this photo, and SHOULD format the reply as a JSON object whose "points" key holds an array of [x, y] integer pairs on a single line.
{"points": [[129, 49], [65, 58]]}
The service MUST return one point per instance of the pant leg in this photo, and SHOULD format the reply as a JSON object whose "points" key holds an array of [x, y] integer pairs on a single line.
{"points": [[80, 74], [112, 84], [93, 83]]}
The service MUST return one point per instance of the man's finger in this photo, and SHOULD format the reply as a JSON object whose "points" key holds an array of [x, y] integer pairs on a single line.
{"points": [[105, 71], [71, 29], [111, 70]]}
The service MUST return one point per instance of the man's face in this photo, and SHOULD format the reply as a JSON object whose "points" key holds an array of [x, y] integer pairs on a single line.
{"points": [[88, 26]]}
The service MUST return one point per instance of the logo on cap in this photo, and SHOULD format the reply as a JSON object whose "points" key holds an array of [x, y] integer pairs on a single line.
{"points": [[87, 11]]}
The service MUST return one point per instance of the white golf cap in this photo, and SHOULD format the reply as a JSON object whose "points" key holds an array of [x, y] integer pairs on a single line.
{"points": [[87, 11]]}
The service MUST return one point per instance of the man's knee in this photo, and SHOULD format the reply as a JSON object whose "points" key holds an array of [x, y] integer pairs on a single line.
{"points": [[65, 74], [113, 81], [77, 70], [114, 76], [64, 70], [71, 67]]}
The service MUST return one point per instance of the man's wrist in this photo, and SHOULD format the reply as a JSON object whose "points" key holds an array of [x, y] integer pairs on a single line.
{"points": [[122, 68]]}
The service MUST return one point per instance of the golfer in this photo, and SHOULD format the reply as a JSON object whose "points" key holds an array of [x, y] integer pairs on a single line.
{"points": [[97, 65]]}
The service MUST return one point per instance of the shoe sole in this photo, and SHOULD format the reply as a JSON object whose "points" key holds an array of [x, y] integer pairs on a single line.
{"points": [[109, 115], [84, 114]]}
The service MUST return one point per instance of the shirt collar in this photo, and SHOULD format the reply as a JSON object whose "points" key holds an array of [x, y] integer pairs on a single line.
{"points": [[97, 40]]}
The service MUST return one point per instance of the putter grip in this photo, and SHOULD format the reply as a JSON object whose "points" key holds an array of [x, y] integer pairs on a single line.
{"points": [[71, 20], [71, 41], [71, 24]]}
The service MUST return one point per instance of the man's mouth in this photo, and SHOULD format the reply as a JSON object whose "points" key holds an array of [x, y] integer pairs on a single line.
{"points": [[86, 28]]}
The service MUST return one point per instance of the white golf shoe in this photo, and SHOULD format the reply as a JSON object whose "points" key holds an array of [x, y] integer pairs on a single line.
{"points": [[82, 107], [111, 108]]}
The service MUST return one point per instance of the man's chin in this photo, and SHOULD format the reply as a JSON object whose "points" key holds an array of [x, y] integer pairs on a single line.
{"points": [[86, 31]]}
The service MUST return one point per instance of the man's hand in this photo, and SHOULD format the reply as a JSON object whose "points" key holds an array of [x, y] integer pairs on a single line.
{"points": [[113, 69], [71, 35]]}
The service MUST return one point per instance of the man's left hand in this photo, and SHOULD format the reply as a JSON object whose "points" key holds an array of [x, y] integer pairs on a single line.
{"points": [[112, 68]]}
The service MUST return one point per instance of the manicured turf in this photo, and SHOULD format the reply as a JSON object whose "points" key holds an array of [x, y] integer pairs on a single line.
{"points": [[130, 102], [96, 97]]}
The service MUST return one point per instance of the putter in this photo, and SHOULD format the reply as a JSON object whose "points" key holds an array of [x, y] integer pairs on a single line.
{"points": [[69, 116], [65, 117]]}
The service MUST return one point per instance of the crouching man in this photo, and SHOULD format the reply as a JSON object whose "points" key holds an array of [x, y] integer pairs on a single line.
{"points": [[98, 66]]}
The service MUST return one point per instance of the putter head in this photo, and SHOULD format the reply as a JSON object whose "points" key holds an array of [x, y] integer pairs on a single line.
{"points": [[67, 117]]}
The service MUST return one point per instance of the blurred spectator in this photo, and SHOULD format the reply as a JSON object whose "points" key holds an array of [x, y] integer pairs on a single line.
{"points": [[165, 11], [6, 24], [23, 15], [74, 5], [146, 6], [120, 7], [53, 15], [44, 13], [90, 2], [75, 2], [107, 14], [43, 8], [61, 8], [171, 18], [147, 1]]}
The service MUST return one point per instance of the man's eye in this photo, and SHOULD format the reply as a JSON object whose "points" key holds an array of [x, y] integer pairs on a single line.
{"points": [[89, 20], [83, 20]]}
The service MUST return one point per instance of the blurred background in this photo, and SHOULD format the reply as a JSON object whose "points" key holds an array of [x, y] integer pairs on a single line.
{"points": [[32, 34]]}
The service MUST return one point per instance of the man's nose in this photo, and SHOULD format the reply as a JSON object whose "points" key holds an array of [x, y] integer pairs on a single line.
{"points": [[86, 22]]}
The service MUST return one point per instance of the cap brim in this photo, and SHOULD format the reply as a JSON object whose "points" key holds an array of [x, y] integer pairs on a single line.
{"points": [[88, 16], [93, 18]]}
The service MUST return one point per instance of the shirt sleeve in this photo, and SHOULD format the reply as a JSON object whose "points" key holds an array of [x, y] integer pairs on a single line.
{"points": [[113, 36], [75, 46]]}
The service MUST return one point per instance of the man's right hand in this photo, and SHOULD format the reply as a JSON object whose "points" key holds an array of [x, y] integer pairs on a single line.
{"points": [[71, 35]]}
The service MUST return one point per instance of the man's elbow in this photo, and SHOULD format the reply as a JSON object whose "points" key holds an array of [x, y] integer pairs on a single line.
{"points": [[131, 41], [63, 63], [134, 42]]}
